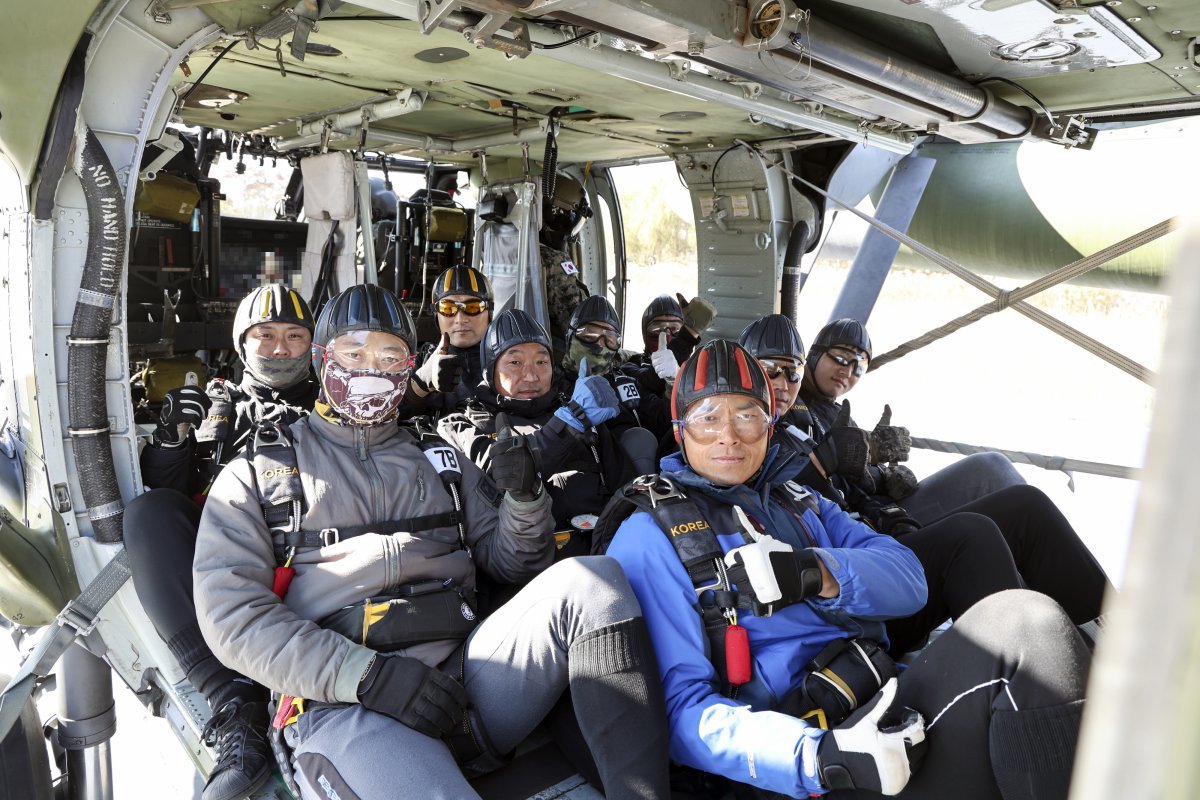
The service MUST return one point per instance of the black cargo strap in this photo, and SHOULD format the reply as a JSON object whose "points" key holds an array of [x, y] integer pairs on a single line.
{"points": [[327, 536]]}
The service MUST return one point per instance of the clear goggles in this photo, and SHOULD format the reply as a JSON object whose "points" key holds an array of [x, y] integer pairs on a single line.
{"points": [[594, 333], [375, 350], [708, 420]]}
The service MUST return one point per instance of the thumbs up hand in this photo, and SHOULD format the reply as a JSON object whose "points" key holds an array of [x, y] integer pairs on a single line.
{"points": [[889, 443], [663, 360], [698, 313], [845, 449], [440, 370], [593, 397], [511, 463]]}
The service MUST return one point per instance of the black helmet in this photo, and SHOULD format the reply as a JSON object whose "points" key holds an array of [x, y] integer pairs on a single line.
{"points": [[510, 328], [843, 331], [662, 306], [719, 367], [773, 335], [363, 308], [564, 212], [462, 280], [593, 309], [271, 303]]}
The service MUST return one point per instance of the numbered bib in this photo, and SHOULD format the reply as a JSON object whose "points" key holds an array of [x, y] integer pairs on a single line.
{"points": [[443, 459]]}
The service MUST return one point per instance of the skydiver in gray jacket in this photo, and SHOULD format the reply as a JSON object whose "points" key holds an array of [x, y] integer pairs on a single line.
{"points": [[406, 693]]}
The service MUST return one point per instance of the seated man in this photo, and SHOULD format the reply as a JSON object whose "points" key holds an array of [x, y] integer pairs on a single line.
{"points": [[272, 332], [337, 563], [519, 405], [1013, 538], [778, 612], [594, 339], [448, 370], [839, 356], [671, 329]]}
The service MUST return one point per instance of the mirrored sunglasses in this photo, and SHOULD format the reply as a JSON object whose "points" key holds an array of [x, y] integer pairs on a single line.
{"points": [[776, 368], [472, 308], [845, 358]]}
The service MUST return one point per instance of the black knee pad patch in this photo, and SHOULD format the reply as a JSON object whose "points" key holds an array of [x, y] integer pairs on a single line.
{"points": [[320, 773], [1036, 739]]}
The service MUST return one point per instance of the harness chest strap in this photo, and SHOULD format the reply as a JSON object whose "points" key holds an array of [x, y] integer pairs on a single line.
{"points": [[281, 494]]}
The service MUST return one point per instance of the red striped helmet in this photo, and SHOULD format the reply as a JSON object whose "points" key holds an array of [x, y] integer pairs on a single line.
{"points": [[719, 367]]}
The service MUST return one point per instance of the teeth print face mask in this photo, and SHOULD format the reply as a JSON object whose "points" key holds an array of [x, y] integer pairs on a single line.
{"points": [[363, 396]]}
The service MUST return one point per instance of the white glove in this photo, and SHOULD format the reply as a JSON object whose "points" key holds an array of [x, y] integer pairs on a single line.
{"points": [[663, 360], [874, 758], [756, 558]]}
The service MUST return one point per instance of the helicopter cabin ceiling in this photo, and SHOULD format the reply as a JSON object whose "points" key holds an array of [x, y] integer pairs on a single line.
{"points": [[632, 79]]}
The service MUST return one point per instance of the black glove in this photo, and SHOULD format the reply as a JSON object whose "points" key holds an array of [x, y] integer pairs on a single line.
{"points": [[879, 753], [512, 466], [440, 370], [425, 699], [183, 408], [887, 518], [898, 481], [845, 449], [889, 443]]}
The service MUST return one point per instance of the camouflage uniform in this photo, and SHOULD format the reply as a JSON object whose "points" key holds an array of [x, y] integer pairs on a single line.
{"points": [[564, 291]]}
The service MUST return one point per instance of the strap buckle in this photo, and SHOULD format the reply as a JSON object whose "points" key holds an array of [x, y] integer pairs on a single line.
{"points": [[78, 619], [656, 487], [330, 536]]}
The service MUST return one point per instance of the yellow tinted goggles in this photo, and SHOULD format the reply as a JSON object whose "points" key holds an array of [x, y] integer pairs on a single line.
{"points": [[448, 308]]}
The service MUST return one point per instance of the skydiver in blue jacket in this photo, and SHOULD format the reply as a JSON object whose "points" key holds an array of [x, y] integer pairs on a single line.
{"points": [[808, 701]]}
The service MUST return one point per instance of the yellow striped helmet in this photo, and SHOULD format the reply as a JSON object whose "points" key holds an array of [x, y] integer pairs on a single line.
{"points": [[271, 303], [462, 280]]}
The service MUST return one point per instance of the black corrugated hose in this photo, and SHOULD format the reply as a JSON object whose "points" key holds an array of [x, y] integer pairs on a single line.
{"points": [[793, 280], [87, 345]]}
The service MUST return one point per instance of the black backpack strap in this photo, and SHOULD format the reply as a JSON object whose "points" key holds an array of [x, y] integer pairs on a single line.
{"points": [[695, 542], [277, 472]]}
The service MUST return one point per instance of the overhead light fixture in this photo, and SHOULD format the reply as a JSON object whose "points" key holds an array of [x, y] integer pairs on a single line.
{"points": [[440, 55], [208, 96]]}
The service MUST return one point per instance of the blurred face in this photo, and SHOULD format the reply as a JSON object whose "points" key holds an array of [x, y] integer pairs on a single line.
{"points": [[277, 340], [784, 373], [465, 329], [838, 370], [524, 371], [725, 438]]}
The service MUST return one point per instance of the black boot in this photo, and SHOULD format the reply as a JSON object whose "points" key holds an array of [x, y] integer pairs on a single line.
{"points": [[619, 703], [244, 760]]}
